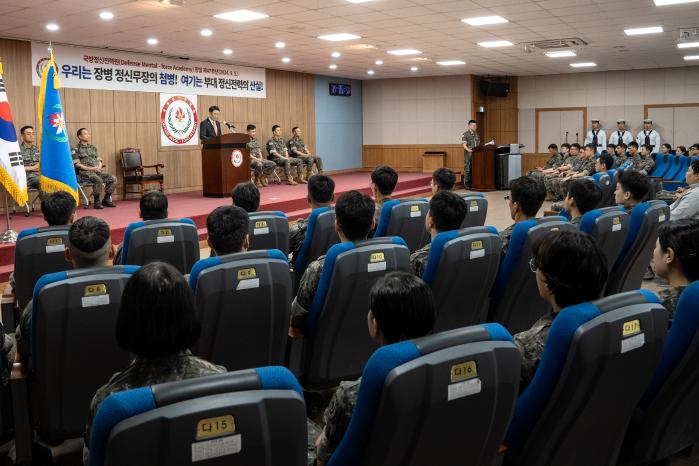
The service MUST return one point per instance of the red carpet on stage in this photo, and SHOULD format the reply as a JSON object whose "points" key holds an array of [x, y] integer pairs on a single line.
{"points": [[288, 199]]}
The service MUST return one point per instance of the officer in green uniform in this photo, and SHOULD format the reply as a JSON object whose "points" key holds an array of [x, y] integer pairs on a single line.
{"points": [[30, 156], [262, 167], [298, 149], [471, 139], [279, 154], [90, 168]]}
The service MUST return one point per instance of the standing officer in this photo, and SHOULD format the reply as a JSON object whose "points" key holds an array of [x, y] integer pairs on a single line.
{"points": [[471, 140], [30, 156], [597, 137], [648, 135], [90, 166], [298, 149], [620, 135]]}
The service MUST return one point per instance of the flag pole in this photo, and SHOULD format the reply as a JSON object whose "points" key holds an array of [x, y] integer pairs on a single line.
{"points": [[9, 235]]}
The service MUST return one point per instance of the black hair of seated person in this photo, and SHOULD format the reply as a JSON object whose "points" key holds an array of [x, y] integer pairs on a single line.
{"points": [[403, 306], [623, 146], [385, 178], [585, 193], [154, 205], [695, 167], [354, 213], [529, 193], [85, 236], [444, 179], [553, 256], [635, 183], [157, 316], [321, 188], [576, 145], [57, 207], [250, 127], [565, 144], [607, 160], [553, 146], [683, 237], [633, 144], [447, 210], [227, 228], [247, 196]]}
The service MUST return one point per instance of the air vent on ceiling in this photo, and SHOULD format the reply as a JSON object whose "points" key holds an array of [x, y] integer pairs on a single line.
{"points": [[689, 35], [574, 43]]}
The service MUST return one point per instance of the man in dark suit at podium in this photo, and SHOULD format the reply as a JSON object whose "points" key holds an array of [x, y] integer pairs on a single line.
{"points": [[211, 127]]}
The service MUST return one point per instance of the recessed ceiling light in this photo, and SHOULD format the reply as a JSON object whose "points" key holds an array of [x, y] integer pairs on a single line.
{"points": [[496, 43], [691, 57], [206, 32], [687, 45], [335, 54], [640, 31], [152, 41], [378, 62], [483, 20], [240, 16], [587, 64], [52, 27], [333, 66], [286, 60], [228, 51], [403, 52], [370, 72], [339, 37], [672, 2], [561, 54], [107, 15], [280, 45], [413, 68], [451, 62]]}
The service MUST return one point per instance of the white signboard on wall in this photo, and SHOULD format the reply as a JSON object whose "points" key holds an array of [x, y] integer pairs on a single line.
{"points": [[88, 68], [179, 120]]}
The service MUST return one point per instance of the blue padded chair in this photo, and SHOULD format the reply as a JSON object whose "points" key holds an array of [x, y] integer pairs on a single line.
{"points": [[637, 251], [666, 418], [172, 240], [461, 269], [477, 211], [269, 230], [405, 218], [414, 395], [73, 352], [662, 165], [244, 302], [598, 359], [607, 183], [320, 236], [676, 179], [609, 226], [38, 251], [516, 303], [337, 342], [249, 417]]}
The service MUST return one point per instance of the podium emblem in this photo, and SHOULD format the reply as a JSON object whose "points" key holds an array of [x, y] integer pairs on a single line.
{"points": [[178, 119], [236, 158]]}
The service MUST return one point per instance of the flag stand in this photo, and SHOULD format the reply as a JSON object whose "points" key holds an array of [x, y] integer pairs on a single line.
{"points": [[7, 236]]}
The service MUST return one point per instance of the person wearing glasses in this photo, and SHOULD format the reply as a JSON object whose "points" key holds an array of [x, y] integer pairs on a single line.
{"points": [[30, 156], [526, 197], [561, 286]]}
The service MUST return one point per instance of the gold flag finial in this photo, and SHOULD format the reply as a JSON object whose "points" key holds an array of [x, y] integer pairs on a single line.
{"points": [[52, 62], [1, 65]]}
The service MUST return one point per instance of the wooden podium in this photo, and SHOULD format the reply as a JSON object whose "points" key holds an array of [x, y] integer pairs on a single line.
{"points": [[483, 168], [225, 162]]}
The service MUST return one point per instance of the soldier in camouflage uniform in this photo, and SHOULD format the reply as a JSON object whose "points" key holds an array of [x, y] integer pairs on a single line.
{"points": [[30, 156], [298, 149], [279, 154], [405, 291], [550, 181], [260, 166], [354, 212], [555, 161], [527, 195], [447, 213], [383, 182], [530, 344], [471, 139], [669, 296], [90, 166], [321, 192], [645, 162], [584, 166], [621, 157]]}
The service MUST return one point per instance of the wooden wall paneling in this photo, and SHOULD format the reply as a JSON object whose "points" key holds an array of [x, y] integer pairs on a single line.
{"points": [[102, 136], [102, 107], [409, 156], [147, 104], [17, 67], [77, 105], [125, 106], [126, 135], [531, 161], [148, 140]]}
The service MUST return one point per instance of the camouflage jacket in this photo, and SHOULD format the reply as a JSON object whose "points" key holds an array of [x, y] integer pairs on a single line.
{"points": [[669, 295], [86, 154], [30, 154], [644, 165], [298, 144], [254, 148], [555, 161], [418, 259], [586, 167], [337, 418], [471, 139], [530, 344], [378, 207], [278, 146], [505, 237], [297, 234], [307, 291]]}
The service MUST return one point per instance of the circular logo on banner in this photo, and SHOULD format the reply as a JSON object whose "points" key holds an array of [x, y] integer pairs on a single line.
{"points": [[40, 65], [236, 158], [178, 118]]}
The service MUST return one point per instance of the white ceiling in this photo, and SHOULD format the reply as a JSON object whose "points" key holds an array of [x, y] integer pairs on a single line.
{"points": [[432, 26]]}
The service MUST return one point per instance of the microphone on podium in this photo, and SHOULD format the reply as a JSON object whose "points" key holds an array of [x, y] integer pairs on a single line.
{"points": [[229, 125]]}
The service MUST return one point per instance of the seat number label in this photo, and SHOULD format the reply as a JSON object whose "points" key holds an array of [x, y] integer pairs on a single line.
{"points": [[215, 427], [632, 343], [463, 389], [55, 245], [463, 371], [216, 448]]}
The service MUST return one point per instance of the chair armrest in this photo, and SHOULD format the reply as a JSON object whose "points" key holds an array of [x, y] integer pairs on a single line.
{"points": [[24, 433], [157, 165]]}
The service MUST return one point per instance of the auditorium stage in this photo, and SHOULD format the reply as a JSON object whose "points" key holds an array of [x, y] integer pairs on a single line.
{"points": [[288, 199]]}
